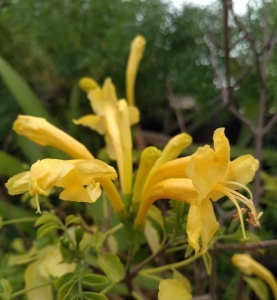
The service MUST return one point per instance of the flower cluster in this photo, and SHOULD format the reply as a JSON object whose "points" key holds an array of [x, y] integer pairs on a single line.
{"points": [[198, 179]]}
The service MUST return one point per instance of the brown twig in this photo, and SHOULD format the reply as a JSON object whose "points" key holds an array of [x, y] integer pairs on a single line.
{"points": [[248, 246]]}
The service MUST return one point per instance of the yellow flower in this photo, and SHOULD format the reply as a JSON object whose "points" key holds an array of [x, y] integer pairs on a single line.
{"points": [[214, 176], [78, 178], [247, 265], [112, 116], [43, 133], [162, 176]]}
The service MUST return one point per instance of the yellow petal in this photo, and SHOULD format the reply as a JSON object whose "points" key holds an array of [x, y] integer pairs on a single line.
{"points": [[94, 122], [43, 133], [19, 183], [109, 93], [171, 151], [194, 225], [87, 84], [210, 224], [90, 169], [172, 169], [96, 99], [79, 184], [44, 175], [133, 115], [207, 167], [242, 169], [74, 190], [127, 145]]}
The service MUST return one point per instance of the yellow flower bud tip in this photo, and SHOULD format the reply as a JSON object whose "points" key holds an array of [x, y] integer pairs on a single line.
{"points": [[150, 154], [138, 43], [87, 84], [243, 262]]}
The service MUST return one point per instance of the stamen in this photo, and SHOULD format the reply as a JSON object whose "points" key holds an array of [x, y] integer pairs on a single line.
{"points": [[239, 185], [37, 204], [236, 215], [228, 193], [253, 216]]}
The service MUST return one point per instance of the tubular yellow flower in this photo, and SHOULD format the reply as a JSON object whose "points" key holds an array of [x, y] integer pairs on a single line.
{"points": [[164, 177], [135, 56], [172, 150], [78, 178], [127, 146], [214, 176], [43, 133], [180, 189], [247, 265], [147, 159], [108, 121]]}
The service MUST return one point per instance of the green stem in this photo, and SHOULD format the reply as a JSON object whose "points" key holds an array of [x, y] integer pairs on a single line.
{"points": [[107, 288], [172, 266], [19, 220], [153, 277], [21, 292], [114, 229]]}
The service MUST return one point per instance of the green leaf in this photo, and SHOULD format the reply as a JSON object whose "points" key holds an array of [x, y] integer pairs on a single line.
{"points": [[46, 218], [172, 289], [152, 237], [98, 239], [258, 286], [23, 94], [155, 214], [32, 151], [92, 280], [94, 296], [6, 289], [208, 262], [64, 279], [9, 165], [68, 290], [112, 266], [47, 228], [71, 219]]}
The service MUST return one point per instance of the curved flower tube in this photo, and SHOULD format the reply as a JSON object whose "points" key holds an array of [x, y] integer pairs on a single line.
{"points": [[180, 189], [214, 176], [78, 178], [43, 133], [247, 265]]}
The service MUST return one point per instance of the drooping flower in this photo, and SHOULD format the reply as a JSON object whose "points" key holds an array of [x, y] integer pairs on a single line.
{"points": [[214, 176], [111, 118], [78, 178]]}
